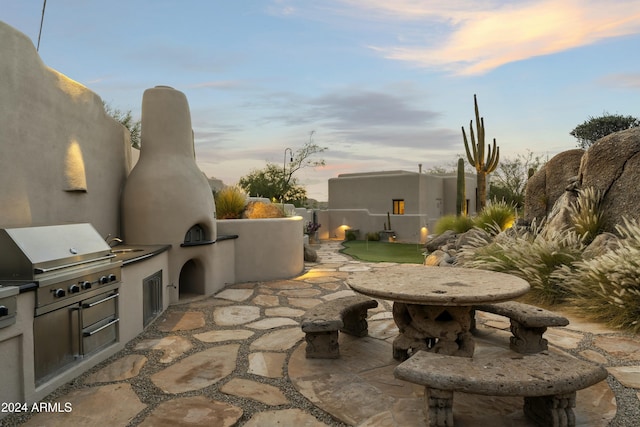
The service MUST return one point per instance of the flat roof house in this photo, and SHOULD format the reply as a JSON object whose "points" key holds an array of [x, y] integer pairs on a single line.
{"points": [[414, 201]]}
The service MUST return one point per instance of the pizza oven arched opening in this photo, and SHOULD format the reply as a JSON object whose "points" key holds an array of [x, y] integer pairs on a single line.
{"points": [[197, 235], [191, 281]]}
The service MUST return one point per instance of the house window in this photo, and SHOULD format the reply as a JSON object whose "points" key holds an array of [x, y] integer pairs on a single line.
{"points": [[398, 206]]}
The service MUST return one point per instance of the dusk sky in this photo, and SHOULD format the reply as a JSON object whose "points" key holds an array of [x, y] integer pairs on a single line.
{"points": [[385, 85]]}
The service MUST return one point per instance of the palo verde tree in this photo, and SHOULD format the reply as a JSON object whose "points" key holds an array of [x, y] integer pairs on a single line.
{"points": [[476, 157], [277, 182], [595, 128]]}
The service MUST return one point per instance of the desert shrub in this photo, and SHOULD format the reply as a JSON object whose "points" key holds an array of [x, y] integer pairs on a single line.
{"points": [[372, 236], [349, 235], [607, 288], [256, 210], [230, 202], [587, 214], [459, 224], [497, 214], [531, 255]]}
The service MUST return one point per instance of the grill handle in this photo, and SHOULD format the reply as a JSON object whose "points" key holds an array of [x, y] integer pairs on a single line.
{"points": [[40, 270], [88, 334], [93, 304]]}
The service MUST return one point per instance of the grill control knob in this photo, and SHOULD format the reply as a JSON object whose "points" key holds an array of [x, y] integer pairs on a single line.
{"points": [[113, 278], [59, 293], [4, 311], [74, 289], [85, 285], [104, 279]]}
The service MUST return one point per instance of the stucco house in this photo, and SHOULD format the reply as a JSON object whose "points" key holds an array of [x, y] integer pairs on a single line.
{"points": [[414, 201]]}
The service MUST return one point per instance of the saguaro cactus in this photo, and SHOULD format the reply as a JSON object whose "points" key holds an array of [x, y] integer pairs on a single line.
{"points": [[476, 157], [461, 194]]}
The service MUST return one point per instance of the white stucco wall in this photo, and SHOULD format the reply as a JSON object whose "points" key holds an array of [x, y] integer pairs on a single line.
{"points": [[267, 249], [63, 160]]}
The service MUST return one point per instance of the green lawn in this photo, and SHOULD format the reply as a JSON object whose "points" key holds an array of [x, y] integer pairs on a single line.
{"points": [[384, 251]]}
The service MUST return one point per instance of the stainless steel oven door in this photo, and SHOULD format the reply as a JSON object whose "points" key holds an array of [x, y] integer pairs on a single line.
{"points": [[56, 341], [99, 322]]}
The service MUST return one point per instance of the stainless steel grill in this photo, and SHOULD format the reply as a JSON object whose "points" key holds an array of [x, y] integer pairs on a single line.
{"points": [[77, 279]]}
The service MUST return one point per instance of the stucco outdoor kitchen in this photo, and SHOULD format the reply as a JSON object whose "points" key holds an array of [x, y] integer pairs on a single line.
{"points": [[95, 244]]}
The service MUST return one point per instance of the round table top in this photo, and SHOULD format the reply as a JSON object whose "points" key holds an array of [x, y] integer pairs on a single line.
{"points": [[446, 286]]}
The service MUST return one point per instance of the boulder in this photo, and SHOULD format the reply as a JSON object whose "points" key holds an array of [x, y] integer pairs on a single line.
{"points": [[612, 165], [546, 186], [436, 242], [603, 243], [440, 258], [310, 254], [472, 237], [535, 201], [559, 218]]}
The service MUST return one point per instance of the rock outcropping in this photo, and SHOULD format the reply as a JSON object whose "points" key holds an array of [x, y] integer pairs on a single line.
{"points": [[610, 166]]}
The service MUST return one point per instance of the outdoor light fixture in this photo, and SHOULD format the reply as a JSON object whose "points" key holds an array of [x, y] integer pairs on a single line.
{"points": [[284, 162]]}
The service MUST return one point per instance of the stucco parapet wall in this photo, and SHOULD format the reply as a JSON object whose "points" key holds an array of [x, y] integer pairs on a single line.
{"points": [[266, 248]]}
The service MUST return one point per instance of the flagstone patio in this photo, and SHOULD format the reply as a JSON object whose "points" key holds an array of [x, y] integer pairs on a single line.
{"points": [[238, 359]]}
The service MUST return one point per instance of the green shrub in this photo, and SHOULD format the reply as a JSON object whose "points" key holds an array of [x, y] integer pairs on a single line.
{"points": [[587, 214], [459, 224], [373, 236], [230, 202], [497, 214], [607, 288], [349, 236]]}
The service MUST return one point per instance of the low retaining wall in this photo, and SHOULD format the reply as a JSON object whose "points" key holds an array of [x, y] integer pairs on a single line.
{"points": [[266, 249]]}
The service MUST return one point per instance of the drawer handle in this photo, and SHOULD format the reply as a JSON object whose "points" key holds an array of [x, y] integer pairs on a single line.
{"points": [[88, 334], [93, 304]]}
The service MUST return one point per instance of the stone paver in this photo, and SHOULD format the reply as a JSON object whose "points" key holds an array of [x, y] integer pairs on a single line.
{"points": [[108, 405], [284, 418], [624, 348], [284, 312], [280, 340], [235, 315], [195, 411], [237, 295], [225, 335], [172, 347], [272, 323], [267, 300], [629, 376], [181, 321], [265, 393], [122, 369], [269, 365], [198, 370]]}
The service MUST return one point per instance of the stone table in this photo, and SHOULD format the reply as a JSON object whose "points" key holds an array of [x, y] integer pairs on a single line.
{"points": [[432, 306]]}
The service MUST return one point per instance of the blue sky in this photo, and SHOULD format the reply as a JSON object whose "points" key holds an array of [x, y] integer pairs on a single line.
{"points": [[385, 85]]}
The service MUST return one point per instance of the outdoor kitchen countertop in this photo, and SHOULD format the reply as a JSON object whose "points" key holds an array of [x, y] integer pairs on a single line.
{"points": [[130, 254]]}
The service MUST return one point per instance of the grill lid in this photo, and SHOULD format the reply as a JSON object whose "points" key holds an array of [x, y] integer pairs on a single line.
{"points": [[29, 251]]}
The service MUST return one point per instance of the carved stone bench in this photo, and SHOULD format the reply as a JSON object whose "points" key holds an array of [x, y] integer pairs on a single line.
{"points": [[547, 381], [528, 324], [322, 323]]}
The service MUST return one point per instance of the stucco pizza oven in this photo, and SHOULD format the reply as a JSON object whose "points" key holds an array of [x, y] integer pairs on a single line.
{"points": [[167, 199]]}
